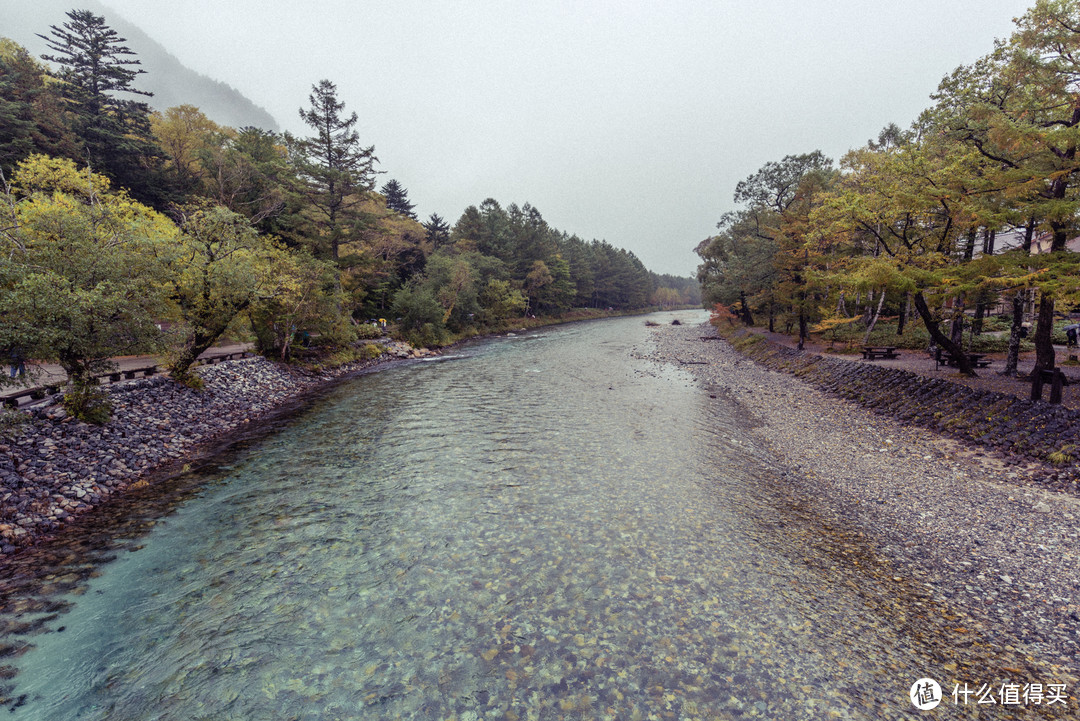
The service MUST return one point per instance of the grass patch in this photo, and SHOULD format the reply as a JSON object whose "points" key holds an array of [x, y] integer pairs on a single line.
{"points": [[1062, 456]]}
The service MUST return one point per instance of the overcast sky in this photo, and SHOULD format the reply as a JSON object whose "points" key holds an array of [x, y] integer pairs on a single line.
{"points": [[627, 121]]}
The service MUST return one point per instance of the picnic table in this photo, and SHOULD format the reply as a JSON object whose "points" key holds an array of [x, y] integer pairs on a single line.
{"points": [[872, 352], [976, 360]]}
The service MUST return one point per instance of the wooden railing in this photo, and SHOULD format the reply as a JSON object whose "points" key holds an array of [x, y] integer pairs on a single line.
{"points": [[12, 399]]}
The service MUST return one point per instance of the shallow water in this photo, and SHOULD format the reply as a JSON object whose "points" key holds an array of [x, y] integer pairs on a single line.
{"points": [[544, 527]]}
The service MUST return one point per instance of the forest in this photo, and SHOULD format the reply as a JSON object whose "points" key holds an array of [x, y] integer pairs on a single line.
{"points": [[127, 230], [971, 208]]}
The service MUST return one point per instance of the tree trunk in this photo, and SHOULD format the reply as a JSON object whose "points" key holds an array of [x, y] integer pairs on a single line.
{"points": [[772, 316], [197, 342], [1044, 344], [905, 309], [941, 339], [744, 309], [988, 241], [874, 320], [1014, 334], [1029, 235], [804, 331], [969, 248], [956, 330], [977, 324]]}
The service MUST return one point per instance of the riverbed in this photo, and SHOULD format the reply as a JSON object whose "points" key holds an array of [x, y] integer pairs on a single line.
{"points": [[545, 525]]}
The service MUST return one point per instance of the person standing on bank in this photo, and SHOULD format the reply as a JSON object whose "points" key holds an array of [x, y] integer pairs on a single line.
{"points": [[18, 363]]}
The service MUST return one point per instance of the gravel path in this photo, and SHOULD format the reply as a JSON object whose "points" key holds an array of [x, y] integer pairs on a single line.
{"points": [[994, 561]]}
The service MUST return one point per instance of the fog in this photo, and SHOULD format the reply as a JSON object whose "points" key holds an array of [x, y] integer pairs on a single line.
{"points": [[626, 121]]}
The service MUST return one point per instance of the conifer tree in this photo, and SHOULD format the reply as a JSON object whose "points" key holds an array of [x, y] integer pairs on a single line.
{"points": [[397, 198], [438, 231], [336, 169], [95, 65]]}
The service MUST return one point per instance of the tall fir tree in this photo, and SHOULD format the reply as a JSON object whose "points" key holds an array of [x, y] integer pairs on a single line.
{"points": [[438, 231], [335, 168], [94, 66]]}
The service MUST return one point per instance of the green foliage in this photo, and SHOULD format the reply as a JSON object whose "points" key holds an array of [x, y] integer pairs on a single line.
{"points": [[417, 311], [11, 420], [354, 354], [88, 402], [214, 270], [367, 331], [1062, 456], [80, 276], [94, 66], [299, 295]]}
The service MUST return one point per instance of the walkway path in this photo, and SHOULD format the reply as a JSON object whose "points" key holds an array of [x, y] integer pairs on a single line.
{"points": [[922, 363], [42, 375]]}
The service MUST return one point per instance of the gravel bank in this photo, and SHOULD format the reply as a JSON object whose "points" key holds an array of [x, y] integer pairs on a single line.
{"points": [[961, 530], [55, 468]]}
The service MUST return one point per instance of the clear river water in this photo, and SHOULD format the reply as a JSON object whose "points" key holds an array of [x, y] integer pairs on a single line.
{"points": [[539, 526]]}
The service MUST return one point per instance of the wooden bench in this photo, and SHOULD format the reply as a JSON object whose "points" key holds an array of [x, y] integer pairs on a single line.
{"points": [[1055, 377], [872, 352]]}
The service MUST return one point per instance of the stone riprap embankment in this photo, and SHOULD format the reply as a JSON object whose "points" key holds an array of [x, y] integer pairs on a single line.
{"points": [[54, 468], [1020, 428]]}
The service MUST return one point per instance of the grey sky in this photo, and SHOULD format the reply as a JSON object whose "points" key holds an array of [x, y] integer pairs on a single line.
{"points": [[627, 121]]}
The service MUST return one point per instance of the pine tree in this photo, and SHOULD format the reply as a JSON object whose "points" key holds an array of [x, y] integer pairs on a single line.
{"points": [[438, 231], [30, 110], [397, 198], [334, 166], [95, 64]]}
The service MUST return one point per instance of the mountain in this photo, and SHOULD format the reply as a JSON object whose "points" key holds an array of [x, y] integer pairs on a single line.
{"points": [[171, 82]]}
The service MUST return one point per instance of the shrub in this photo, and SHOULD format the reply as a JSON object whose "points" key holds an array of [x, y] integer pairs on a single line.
{"points": [[368, 331], [11, 419], [89, 403]]}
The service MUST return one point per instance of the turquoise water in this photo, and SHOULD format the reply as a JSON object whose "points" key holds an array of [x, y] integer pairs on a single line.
{"points": [[545, 526]]}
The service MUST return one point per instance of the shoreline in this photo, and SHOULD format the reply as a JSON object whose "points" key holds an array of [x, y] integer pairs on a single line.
{"points": [[949, 524], [54, 470]]}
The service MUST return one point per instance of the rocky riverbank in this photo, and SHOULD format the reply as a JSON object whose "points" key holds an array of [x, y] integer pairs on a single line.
{"points": [[1014, 428], [970, 535], [53, 468]]}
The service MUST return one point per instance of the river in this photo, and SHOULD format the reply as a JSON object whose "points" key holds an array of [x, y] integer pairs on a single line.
{"points": [[537, 526]]}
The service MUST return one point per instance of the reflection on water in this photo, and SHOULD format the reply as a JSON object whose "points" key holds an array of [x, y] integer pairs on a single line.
{"points": [[542, 528]]}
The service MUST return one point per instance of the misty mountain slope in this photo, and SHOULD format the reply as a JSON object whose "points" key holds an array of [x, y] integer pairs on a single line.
{"points": [[170, 80]]}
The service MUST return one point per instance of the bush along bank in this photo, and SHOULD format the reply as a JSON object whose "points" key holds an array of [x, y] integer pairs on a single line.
{"points": [[54, 468], [1034, 430]]}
